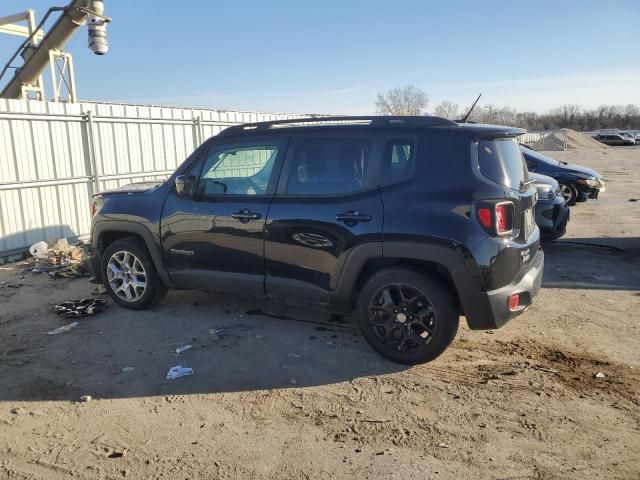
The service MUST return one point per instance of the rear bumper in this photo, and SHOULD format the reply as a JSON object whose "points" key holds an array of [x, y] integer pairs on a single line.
{"points": [[490, 309], [552, 217], [527, 285]]}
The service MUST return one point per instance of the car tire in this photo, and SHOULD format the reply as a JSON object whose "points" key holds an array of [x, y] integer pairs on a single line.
{"points": [[406, 316], [569, 192], [130, 276]]}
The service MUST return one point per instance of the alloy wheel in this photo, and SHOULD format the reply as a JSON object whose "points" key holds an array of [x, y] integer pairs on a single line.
{"points": [[566, 192], [126, 276], [402, 317]]}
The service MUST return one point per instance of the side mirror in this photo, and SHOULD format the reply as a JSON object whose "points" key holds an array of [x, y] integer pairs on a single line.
{"points": [[185, 185]]}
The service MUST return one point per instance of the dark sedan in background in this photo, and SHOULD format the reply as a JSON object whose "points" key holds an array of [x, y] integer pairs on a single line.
{"points": [[615, 139], [577, 184], [552, 211]]}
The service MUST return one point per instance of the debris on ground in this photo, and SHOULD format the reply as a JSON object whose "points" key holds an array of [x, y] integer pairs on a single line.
{"points": [[184, 348], [64, 328], [599, 375], [179, 371], [80, 308], [71, 271], [86, 398], [58, 259], [232, 331], [128, 369], [39, 250]]}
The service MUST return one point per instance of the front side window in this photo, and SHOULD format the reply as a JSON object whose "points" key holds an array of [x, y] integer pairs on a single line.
{"points": [[244, 169], [327, 166]]}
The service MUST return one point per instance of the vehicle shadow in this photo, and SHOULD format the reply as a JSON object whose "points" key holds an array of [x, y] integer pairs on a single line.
{"points": [[593, 263], [236, 345]]}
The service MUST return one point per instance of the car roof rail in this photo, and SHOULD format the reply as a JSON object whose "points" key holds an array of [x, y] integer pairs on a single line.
{"points": [[331, 121]]}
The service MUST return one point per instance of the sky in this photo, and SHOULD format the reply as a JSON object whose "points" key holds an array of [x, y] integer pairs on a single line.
{"points": [[335, 56]]}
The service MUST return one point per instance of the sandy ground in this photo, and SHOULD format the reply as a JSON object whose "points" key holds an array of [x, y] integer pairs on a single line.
{"points": [[300, 395]]}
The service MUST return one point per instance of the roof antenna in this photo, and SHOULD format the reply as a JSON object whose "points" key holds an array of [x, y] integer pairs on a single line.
{"points": [[466, 117]]}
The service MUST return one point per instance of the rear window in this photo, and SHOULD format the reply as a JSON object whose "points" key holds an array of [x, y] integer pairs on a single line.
{"points": [[501, 161]]}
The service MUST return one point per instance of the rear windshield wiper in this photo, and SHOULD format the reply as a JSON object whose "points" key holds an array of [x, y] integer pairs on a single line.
{"points": [[524, 183]]}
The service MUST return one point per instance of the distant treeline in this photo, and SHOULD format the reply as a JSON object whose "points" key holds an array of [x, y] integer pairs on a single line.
{"points": [[409, 100], [623, 117]]}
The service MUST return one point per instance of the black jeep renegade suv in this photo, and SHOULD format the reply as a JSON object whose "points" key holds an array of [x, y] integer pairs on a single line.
{"points": [[405, 222]]}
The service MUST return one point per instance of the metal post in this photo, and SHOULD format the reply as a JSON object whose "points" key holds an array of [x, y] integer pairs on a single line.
{"points": [[31, 22], [197, 134], [92, 153]]}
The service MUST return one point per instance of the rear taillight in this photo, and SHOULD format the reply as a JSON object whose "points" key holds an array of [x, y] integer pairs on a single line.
{"points": [[502, 222], [484, 215], [92, 208], [496, 218]]}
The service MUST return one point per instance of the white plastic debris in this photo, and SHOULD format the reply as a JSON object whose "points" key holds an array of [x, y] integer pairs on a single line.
{"points": [[39, 250], [599, 375], [128, 369], [86, 398], [184, 348], [64, 328], [179, 371]]}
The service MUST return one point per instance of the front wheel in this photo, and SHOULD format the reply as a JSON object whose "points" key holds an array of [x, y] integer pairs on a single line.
{"points": [[569, 192], [405, 316], [130, 276]]}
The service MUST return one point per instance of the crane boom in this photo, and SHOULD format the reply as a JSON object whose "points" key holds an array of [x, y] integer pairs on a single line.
{"points": [[73, 17]]}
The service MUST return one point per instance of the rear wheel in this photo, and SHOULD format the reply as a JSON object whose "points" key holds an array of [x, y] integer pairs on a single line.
{"points": [[569, 192], [405, 316], [130, 276]]}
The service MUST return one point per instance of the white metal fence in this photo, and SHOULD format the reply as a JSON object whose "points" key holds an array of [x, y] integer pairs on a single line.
{"points": [[54, 156], [546, 140]]}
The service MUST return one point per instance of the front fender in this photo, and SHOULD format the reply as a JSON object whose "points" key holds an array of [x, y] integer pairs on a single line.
{"points": [[100, 228]]}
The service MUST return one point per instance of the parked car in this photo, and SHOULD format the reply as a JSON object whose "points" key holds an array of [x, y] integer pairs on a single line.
{"points": [[615, 139], [404, 222], [577, 184], [552, 211], [635, 136]]}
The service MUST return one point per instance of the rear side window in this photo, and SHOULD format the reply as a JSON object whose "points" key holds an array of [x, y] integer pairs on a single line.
{"points": [[399, 158], [501, 161], [330, 166]]}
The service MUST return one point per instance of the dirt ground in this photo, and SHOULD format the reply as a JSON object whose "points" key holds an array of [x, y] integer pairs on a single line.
{"points": [[297, 394]]}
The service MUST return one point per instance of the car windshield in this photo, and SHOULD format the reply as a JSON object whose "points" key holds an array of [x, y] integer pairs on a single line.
{"points": [[538, 156], [501, 161]]}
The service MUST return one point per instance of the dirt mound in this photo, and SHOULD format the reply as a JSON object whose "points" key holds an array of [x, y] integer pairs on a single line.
{"points": [[567, 139]]}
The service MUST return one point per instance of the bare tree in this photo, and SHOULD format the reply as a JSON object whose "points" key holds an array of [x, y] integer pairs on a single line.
{"points": [[448, 110], [407, 100], [412, 101]]}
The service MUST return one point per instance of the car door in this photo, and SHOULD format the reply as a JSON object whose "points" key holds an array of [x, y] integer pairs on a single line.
{"points": [[327, 205], [213, 236]]}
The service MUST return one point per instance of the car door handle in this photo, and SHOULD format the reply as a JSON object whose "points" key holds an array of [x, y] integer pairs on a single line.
{"points": [[353, 217], [246, 215]]}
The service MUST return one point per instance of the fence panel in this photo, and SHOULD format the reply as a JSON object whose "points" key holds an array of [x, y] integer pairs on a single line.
{"points": [[54, 156]]}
